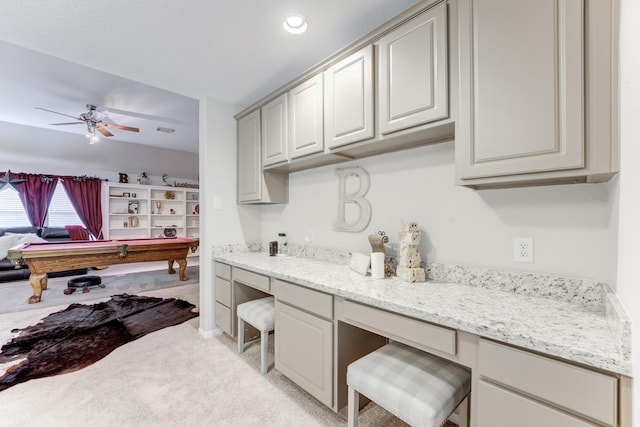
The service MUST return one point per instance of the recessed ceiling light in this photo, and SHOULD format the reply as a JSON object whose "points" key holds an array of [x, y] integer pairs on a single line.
{"points": [[295, 24]]}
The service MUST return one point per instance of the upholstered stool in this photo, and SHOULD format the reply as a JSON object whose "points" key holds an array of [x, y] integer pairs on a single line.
{"points": [[417, 387], [259, 313], [83, 282]]}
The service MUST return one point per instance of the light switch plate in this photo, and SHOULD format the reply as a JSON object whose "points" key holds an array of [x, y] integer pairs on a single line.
{"points": [[217, 203]]}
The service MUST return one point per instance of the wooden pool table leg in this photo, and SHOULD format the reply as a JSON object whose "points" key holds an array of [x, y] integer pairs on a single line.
{"points": [[171, 269], [39, 283], [183, 266]]}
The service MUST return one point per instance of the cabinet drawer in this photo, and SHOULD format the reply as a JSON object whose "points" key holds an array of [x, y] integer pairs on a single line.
{"points": [[577, 389], [411, 331], [223, 270], [223, 318], [307, 299], [498, 407], [223, 291], [249, 278]]}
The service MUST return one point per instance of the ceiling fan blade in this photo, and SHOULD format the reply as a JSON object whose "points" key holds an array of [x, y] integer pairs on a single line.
{"points": [[115, 126], [62, 124], [103, 131], [55, 112], [107, 110]]}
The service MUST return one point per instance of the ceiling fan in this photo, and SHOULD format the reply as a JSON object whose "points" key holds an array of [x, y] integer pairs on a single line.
{"points": [[94, 121]]}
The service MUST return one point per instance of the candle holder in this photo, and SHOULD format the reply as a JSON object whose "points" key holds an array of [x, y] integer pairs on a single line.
{"points": [[158, 206]]}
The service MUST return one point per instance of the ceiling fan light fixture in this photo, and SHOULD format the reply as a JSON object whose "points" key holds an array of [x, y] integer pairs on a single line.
{"points": [[295, 24], [91, 133]]}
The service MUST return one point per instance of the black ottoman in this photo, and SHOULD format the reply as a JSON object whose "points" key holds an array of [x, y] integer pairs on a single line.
{"points": [[84, 282]]}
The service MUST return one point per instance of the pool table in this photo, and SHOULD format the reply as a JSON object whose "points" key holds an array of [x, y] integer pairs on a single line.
{"points": [[43, 258]]}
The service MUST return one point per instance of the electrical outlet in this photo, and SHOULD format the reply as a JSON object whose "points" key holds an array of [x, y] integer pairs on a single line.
{"points": [[523, 249]]}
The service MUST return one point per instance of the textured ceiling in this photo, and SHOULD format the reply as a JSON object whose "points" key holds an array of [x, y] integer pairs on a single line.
{"points": [[235, 51]]}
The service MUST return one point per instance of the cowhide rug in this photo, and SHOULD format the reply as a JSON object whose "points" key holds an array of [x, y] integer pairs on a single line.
{"points": [[80, 335]]}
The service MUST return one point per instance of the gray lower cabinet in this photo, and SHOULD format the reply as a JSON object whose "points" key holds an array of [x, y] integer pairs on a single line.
{"points": [[223, 296], [304, 339], [499, 407], [521, 388]]}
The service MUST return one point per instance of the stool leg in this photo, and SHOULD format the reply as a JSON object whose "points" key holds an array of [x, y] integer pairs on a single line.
{"points": [[264, 343], [352, 408], [240, 335], [463, 413]]}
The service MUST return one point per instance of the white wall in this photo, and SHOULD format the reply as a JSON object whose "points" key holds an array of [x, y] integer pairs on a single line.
{"points": [[569, 223], [232, 223], [628, 275]]}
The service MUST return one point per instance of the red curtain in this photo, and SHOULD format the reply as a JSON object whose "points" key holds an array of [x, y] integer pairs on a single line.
{"points": [[2, 184], [84, 194], [36, 193]]}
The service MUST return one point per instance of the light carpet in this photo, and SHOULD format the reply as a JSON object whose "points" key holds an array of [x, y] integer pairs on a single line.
{"points": [[172, 377], [14, 296]]}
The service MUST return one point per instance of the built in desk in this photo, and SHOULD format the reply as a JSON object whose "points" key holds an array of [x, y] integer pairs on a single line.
{"points": [[533, 359]]}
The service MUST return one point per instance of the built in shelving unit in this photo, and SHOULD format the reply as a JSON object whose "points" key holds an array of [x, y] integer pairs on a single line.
{"points": [[133, 211]]}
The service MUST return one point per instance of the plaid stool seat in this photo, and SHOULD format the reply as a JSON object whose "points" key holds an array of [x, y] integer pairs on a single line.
{"points": [[417, 387], [259, 313]]}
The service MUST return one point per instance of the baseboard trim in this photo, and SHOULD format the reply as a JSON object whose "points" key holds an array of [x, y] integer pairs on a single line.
{"points": [[211, 333]]}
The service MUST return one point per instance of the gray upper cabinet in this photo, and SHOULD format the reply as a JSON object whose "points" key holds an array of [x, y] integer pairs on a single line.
{"points": [[249, 164], [528, 91], [275, 142], [254, 184], [348, 99], [306, 118], [385, 92], [412, 72], [536, 81]]}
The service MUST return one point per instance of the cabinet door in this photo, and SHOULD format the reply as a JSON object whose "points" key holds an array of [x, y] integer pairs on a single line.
{"points": [[498, 407], [348, 99], [521, 92], [249, 165], [303, 351], [255, 185], [305, 118], [275, 146], [412, 67]]}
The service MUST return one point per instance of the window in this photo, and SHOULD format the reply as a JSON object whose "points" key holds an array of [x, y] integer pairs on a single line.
{"points": [[61, 211], [12, 212]]}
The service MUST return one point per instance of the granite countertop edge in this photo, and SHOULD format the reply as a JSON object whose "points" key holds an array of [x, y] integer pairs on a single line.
{"points": [[575, 332]]}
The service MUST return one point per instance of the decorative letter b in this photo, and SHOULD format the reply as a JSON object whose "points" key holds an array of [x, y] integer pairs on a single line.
{"points": [[356, 197]]}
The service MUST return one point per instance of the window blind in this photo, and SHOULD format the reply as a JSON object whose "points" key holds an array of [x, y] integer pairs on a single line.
{"points": [[12, 212], [61, 211]]}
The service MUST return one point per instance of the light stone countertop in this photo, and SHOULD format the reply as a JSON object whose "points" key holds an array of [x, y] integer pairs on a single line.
{"points": [[576, 332]]}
